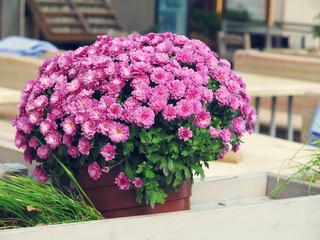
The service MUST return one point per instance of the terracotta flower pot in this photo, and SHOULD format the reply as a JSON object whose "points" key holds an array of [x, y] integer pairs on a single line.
{"points": [[112, 202]]}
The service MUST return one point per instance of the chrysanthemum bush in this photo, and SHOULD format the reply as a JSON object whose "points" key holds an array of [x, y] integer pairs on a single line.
{"points": [[156, 107]]}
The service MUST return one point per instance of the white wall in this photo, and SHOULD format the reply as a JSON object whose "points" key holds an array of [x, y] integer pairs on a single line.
{"points": [[302, 11]]}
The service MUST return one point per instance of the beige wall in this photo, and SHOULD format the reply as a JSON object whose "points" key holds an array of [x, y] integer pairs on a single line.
{"points": [[301, 11], [136, 15]]}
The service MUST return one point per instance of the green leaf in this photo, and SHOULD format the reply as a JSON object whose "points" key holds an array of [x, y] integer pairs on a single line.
{"points": [[128, 170], [169, 179], [170, 164], [174, 146], [169, 137], [154, 158], [153, 198], [153, 148], [139, 197], [176, 182], [197, 168], [187, 172], [164, 167], [185, 153], [139, 170], [156, 140], [134, 131], [142, 137], [128, 147], [149, 173]]}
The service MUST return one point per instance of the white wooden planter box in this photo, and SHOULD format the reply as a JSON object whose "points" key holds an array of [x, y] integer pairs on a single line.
{"points": [[222, 208]]}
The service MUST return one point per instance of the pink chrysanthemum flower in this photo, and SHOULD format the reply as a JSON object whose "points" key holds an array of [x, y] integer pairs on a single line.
{"points": [[233, 87], [161, 58], [73, 151], [184, 109], [144, 117], [139, 80], [114, 111], [122, 181], [252, 118], [185, 133], [137, 182], [35, 117], [222, 95], [235, 147], [24, 125], [196, 78], [84, 146], [33, 142], [69, 126], [214, 132], [118, 132], [27, 155], [193, 94], [43, 152], [97, 114], [89, 128], [105, 169], [128, 115], [20, 140], [40, 102], [53, 139], [47, 126], [106, 101], [55, 99], [159, 76], [94, 171], [157, 103], [67, 139], [131, 102], [169, 112], [142, 92], [108, 151], [40, 174], [161, 90], [202, 119], [177, 89], [225, 135], [239, 125], [104, 126], [234, 103], [207, 95]]}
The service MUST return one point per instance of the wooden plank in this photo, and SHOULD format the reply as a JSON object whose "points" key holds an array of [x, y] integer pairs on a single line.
{"points": [[15, 71], [223, 189], [305, 68], [8, 95], [283, 219], [293, 189], [262, 153], [9, 153], [259, 85]]}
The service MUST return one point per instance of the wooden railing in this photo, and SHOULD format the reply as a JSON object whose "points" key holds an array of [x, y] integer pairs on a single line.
{"points": [[262, 86]]}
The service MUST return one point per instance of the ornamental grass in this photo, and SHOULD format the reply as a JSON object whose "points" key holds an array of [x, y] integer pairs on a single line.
{"points": [[26, 203]]}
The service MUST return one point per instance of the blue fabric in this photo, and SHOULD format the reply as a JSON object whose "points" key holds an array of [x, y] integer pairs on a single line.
{"points": [[22, 46], [315, 127]]}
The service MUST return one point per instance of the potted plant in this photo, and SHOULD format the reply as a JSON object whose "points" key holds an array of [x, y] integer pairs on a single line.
{"points": [[147, 111]]}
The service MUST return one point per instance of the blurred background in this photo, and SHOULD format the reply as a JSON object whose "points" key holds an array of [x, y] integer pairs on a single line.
{"points": [[71, 23], [272, 44]]}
